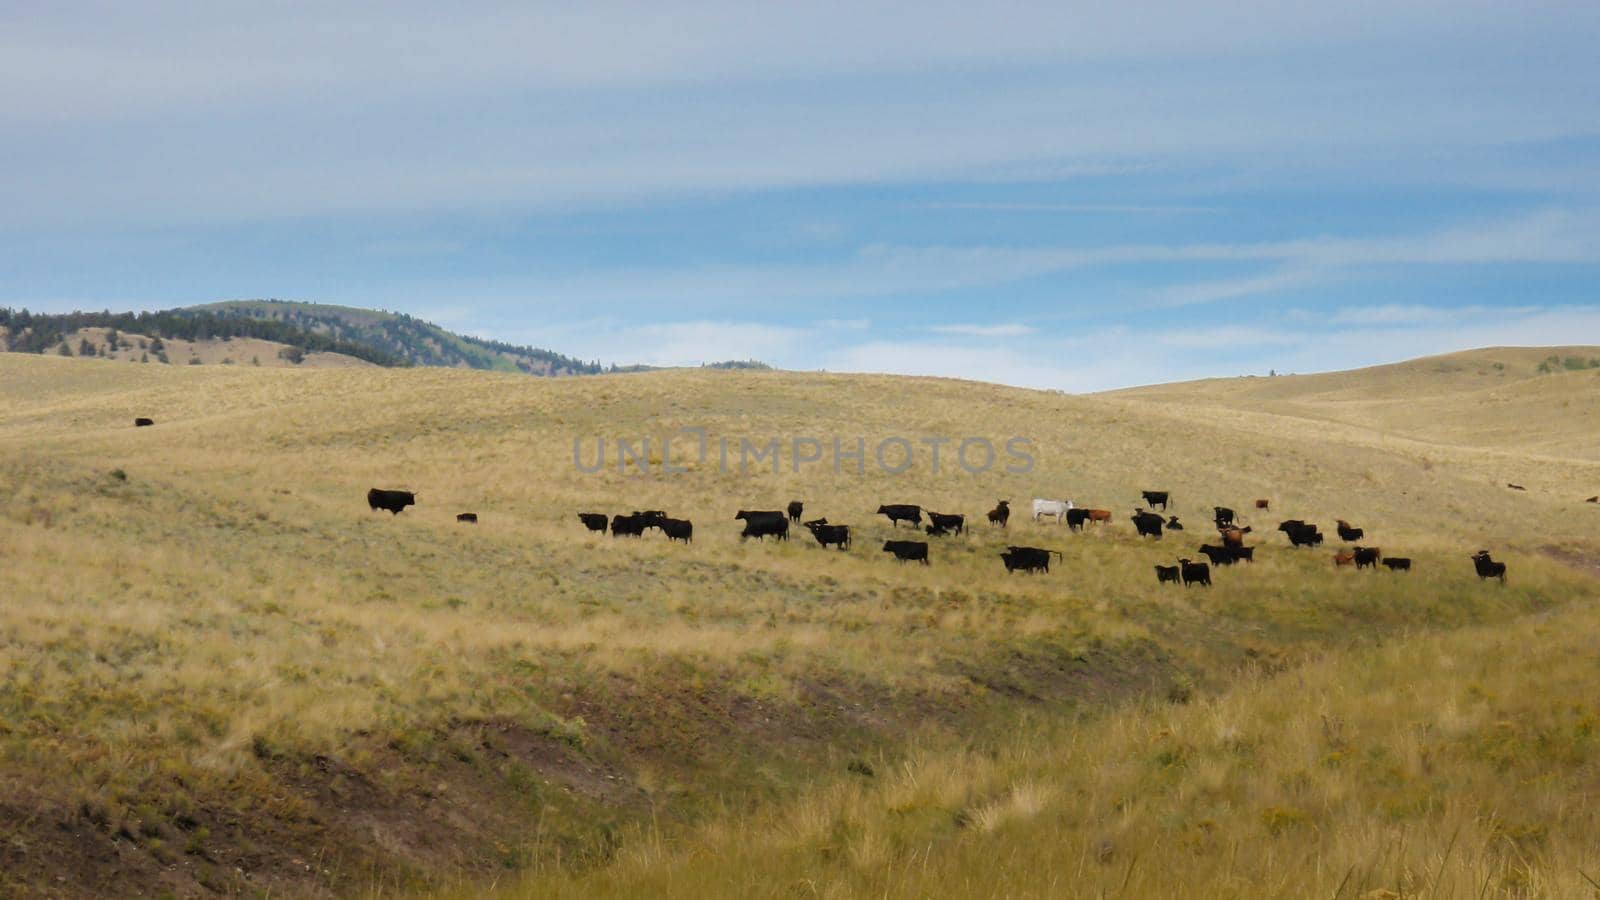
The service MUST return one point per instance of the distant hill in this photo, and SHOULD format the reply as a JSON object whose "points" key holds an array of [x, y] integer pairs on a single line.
{"points": [[400, 336], [314, 335], [1532, 399]]}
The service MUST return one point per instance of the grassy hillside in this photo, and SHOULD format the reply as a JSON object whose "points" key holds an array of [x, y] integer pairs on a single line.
{"points": [[224, 672], [1536, 400]]}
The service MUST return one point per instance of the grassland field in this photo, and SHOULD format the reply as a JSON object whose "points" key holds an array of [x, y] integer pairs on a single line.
{"points": [[221, 672]]}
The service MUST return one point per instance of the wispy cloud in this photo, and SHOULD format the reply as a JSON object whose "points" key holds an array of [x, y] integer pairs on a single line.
{"points": [[1011, 329], [979, 206]]}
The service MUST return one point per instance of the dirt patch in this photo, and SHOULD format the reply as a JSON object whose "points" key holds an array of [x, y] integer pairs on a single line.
{"points": [[1585, 561]]}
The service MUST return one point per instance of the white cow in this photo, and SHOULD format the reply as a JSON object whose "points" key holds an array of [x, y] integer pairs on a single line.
{"points": [[1057, 508]]}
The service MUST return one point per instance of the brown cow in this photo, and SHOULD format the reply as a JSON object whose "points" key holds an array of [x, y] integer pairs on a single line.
{"points": [[1099, 515], [1343, 558], [1594, 499], [1263, 504], [1233, 537]]}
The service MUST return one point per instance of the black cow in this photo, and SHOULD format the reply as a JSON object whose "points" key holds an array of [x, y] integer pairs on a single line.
{"points": [[1148, 524], [795, 509], [1594, 499], [949, 521], [1155, 498], [471, 518], [1302, 534], [1001, 513], [593, 521], [1195, 573], [1219, 556], [1515, 487], [937, 531], [677, 529], [1348, 533], [838, 535], [1165, 574], [1397, 563], [143, 422], [1488, 568], [628, 526], [905, 551], [761, 522], [393, 501], [901, 512], [1076, 517], [1288, 525], [1222, 515], [1367, 556], [650, 518], [1248, 554], [1173, 524], [1027, 559]]}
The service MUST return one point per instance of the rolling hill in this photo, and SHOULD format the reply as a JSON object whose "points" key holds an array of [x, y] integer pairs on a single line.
{"points": [[419, 343], [225, 673]]}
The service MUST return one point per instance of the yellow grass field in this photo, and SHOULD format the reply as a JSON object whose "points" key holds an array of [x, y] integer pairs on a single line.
{"points": [[223, 672]]}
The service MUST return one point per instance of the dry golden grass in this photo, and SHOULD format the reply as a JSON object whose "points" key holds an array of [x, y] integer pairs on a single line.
{"points": [[1447, 765], [231, 601]]}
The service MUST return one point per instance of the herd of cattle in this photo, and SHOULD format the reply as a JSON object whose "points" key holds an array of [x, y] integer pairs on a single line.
{"points": [[1231, 549]]}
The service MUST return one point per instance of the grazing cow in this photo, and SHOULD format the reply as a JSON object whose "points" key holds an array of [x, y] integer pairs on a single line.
{"points": [[1305, 536], [1263, 504], [1594, 499], [1165, 574], [677, 529], [948, 521], [593, 521], [1195, 573], [1057, 508], [1001, 513], [1155, 498], [471, 518], [1488, 568], [759, 523], [838, 535], [1367, 556], [902, 512], [1233, 537], [393, 501], [1222, 515], [1301, 534], [1219, 556], [1343, 558], [628, 526], [650, 518], [1148, 524], [1100, 516], [1347, 533], [905, 551], [1173, 524], [1076, 518], [143, 422], [1027, 559], [1515, 487], [1397, 563], [937, 530], [796, 507]]}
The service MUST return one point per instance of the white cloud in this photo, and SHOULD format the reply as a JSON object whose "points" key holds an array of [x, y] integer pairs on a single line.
{"points": [[1011, 329]]}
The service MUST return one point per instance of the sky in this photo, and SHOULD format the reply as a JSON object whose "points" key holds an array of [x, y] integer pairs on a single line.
{"points": [[1055, 195]]}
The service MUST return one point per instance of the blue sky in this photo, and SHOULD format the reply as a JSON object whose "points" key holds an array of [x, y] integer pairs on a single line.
{"points": [[1038, 194]]}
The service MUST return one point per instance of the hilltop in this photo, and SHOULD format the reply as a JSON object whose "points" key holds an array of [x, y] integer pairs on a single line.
{"points": [[224, 672], [417, 342], [284, 333]]}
